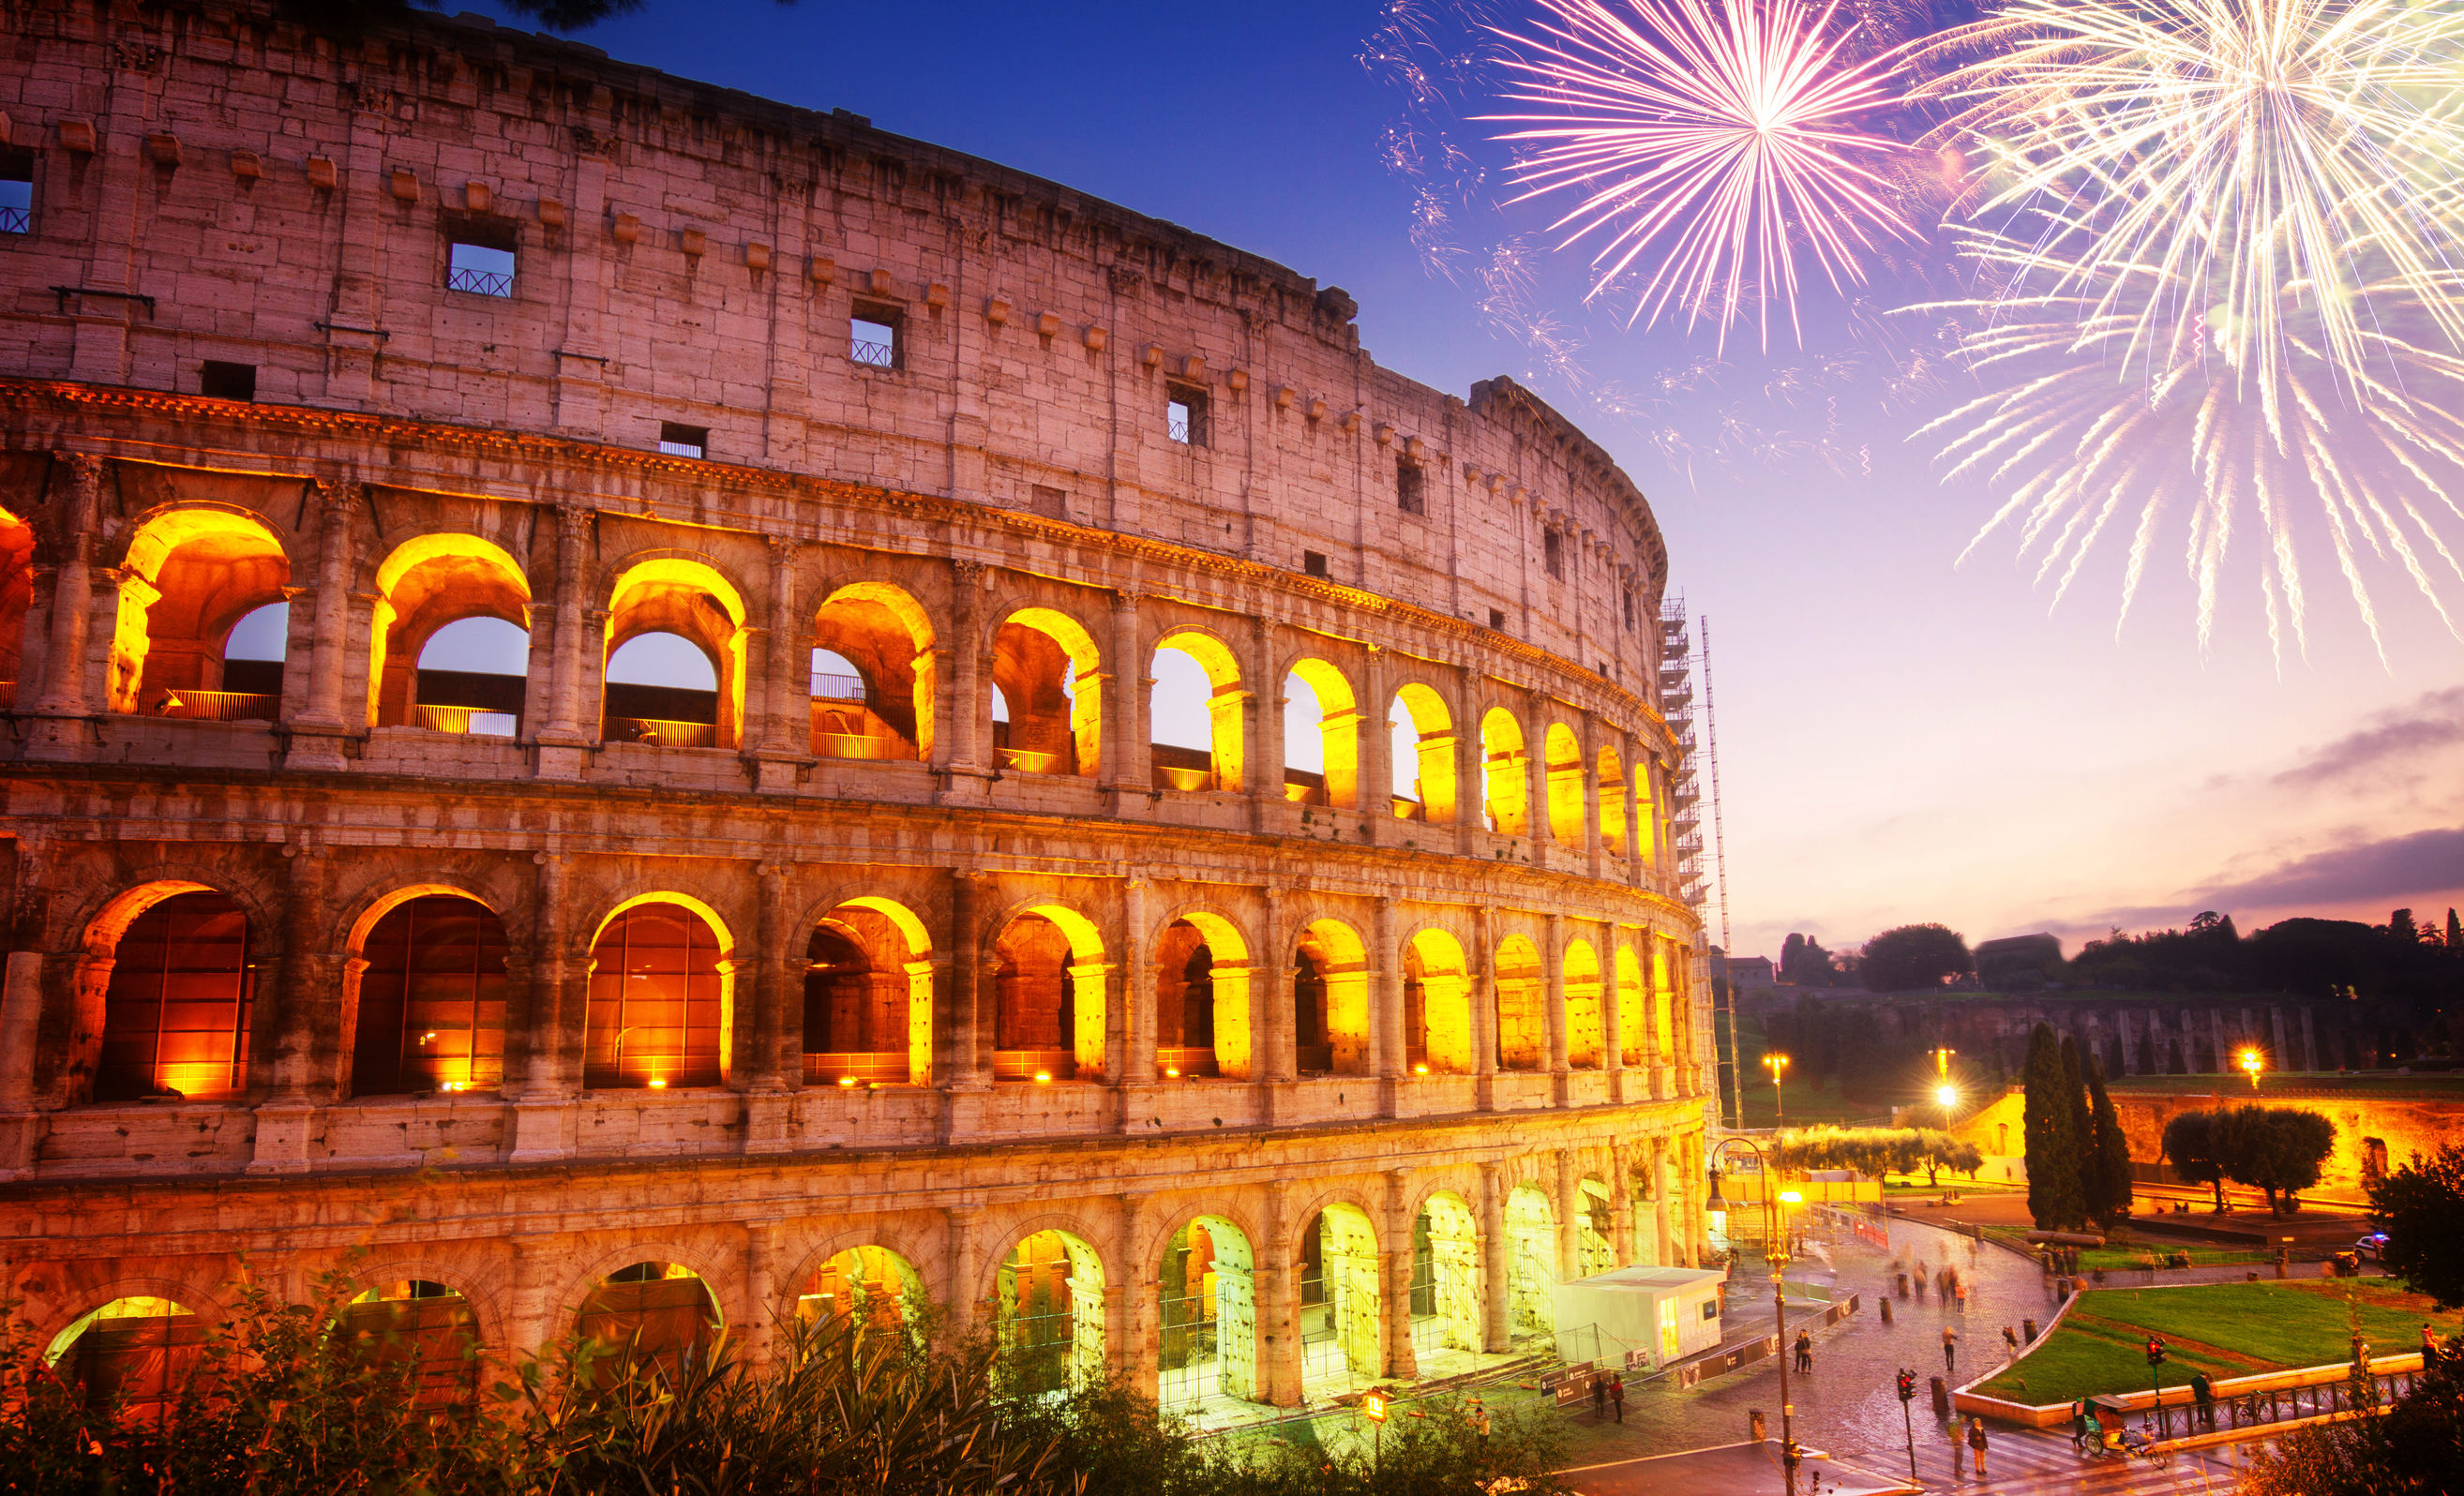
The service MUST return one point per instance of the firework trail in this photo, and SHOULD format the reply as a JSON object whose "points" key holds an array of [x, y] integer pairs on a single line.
{"points": [[1719, 141]]}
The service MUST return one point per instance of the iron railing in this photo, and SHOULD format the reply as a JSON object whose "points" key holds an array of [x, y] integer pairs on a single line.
{"points": [[838, 688], [877, 355], [1176, 425], [222, 706], [481, 282], [16, 220]]}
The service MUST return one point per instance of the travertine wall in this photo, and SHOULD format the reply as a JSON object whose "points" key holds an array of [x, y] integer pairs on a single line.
{"points": [[286, 204]]}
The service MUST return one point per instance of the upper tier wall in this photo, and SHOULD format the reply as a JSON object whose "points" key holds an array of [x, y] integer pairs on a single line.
{"points": [[211, 186]]}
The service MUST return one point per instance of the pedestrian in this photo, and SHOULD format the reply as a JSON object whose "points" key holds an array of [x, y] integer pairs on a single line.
{"points": [[1976, 1445], [1804, 1352], [1599, 1397], [1921, 1280], [2204, 1394], [2429, 1346], [1960, 1290], [1958, 1447], [2011, 1339], [1950, 1348], [1616, 1396], [1479, 1416]]}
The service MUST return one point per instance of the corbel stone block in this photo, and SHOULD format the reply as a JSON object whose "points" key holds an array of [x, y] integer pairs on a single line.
{"points": [[821, 269], [936, 296], [246, 166], [1047, 324], [997, 312], [162, 149], [1096, 338], [625, 229], [757, 256], [404, 185], [77, 135], [322, 174], [475, 197], [694, 242], [551, 213]]}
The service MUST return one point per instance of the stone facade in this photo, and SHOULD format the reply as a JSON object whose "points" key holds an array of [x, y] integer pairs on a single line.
{"points": [[936, 963]]}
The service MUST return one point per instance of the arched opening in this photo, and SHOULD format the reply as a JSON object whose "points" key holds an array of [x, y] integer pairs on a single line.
{"points": [[869, 997], [1566, 788], [451, 637], [1445, 1281], [1586, 1026], [432, 999], [1634, 1013], [1595, 1231], [1330, 1002], [1207, 1319], [872, 676], [1194, 726], [1649, 833], [1667, 1005], [659, 1008], [1049, 1314], [1202, 1000], [1505, 789], [424, 1327], [190, 577], [1521, 1006], [655, 1314], [1422, 735], [16, 598], [1321, 737], [1340, 1340], [136, 1354], [1047, 694], [674, 658], [181, 1001], [1436, 1004], [1049, 993], [1530, 1265], [1611, 781], [864, 1289]]}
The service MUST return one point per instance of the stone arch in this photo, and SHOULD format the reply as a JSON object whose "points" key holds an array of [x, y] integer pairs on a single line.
{"points": [[132, 1353], [652, 1309], [1634, 1009], [208, 1301], [1448, 1307], [423, 585], [680, 593], [1206, 1313], [436, 1021], [119, 992], [1505, 779], [1331, 999], [1202, 988], [1048, 672], [1611, 778], [1049, 1000], [187, 573], [1530, 1263], [440, 1333], [1176, 766], [1595, 1225], [1048, 1309], [921, 1249], [706, 1265], [674, 989], [868, 995], [1567, 795], [1338, 730], [17, 542], [480, 1287], [865, 1285], [1429, 765], [1648, 811], [1522, 1005], [1437, 990], [1586, 1018], [880, 628], [1342, 1330]]}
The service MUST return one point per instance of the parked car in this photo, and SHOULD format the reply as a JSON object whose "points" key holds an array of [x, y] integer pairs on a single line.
{"points": [[2372, 1246]]}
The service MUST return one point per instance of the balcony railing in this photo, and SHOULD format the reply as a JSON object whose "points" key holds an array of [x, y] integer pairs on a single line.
{"points": [[479, 282], [874, 355], [476, 721], [860, 1068], [662, 733], [16, 220], [842, 729], [838, 688], [222, 706]]}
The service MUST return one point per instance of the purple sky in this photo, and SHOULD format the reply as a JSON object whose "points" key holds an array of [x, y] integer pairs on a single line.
{"points": [[1902, 739]]}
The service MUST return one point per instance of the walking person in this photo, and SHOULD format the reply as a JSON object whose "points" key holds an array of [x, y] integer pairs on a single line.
{"points": [[1599, 1397], [1804, 1352], [1949, 1349], [1958, 1447], [1921, 1280], [1616, 1396], [1976, 1445], [1959, 1290]]}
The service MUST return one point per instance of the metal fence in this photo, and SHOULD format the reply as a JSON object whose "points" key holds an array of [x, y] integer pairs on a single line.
{"points": [[482, 283], [878, 355]]}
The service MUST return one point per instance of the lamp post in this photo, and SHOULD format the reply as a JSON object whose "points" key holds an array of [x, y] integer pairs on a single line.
{"points": [[1777, 1064], [1774, 1247], [2251, 1062]]}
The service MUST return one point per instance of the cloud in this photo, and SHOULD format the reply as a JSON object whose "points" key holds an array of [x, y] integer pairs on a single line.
{"points": [[2434, 722], [2389, 869]]}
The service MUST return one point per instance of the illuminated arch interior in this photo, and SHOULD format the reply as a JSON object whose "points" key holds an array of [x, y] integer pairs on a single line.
{"points": [[16, 598], [1423, 737], [660, 1013], [430, 1001], [1566, 788], [1586, 1026], [868, 997], [1436, 1004], [1340, 1338], [1048, 994], [1446, 1302], [1330, 1000], [689, 598], [1521, 1006], [657, 1314], [429, 584], [1049, 1314], [136, 1354], [1175, 710], [1530, 1265], [1507, 783], [1595, 1232], [423, 1322], [1207, 1317], [1047, 673], [1201, 986], [886, 711], [189, 575], [1611, 782], [181, 1000], [1321, 736], [864, 1288], [1634, 1012]]}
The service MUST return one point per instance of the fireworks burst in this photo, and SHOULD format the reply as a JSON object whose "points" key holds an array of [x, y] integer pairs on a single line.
{"points": [[1721, 135]]}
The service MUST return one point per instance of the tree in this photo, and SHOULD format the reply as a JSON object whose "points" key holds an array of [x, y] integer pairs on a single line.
{"points": [[1914, 955], [2082, 1131], [2400, 925], [2191, 1148], [2109, 1199], [2273, 1150], [2418, 1446], [2454, 933], [1804, 961], [2421, 1208], [2045, 1128]]}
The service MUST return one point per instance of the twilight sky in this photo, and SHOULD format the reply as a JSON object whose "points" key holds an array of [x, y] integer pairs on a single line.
{"points": [[1902, 739]]}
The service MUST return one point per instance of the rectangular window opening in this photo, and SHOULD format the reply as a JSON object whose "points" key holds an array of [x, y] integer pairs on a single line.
{"points": [[1629, 608], [1497, 618], [1185, 415], [683, 441], [1314, 563], [1410, 487], [872, 336], [1051, 503], [480, 260], [17, 192], [219, 381], [1554, 553]]}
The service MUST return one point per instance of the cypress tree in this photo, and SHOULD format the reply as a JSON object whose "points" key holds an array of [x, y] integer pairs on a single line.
{"points": [[2045, 1128], [2110, 1200], [2081, 1141], [2454, 933]]}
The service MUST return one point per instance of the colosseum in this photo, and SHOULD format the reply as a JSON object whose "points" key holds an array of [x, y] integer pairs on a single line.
{"points": [[634, 709]]}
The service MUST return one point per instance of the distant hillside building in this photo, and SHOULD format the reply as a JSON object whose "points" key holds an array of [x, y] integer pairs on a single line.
{"points": [[1745, 972], [2018, 959]]}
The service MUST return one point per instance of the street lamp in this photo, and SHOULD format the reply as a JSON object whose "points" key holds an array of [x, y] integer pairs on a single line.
{"points": [[1777, 1064], [1774, 1252], [2252, 1062]]}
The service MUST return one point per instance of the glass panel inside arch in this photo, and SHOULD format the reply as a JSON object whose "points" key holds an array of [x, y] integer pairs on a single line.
{"points": [[176, 1015], [656, 1001], [1446, 1305], [1340, 1342], [1208, 1344], [1048, 1310], [432, 1014], [658, 1315], [1530, 1265], [864, 1287], [136, 1354], [425, 1326]]}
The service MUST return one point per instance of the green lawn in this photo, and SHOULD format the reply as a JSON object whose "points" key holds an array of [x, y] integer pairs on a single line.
{"points": [[2227, 1328], [2127, 1256]]}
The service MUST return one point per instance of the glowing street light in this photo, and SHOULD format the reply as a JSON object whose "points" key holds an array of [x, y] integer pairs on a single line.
{"points": [[1777, 1064], [2252, 1062]]}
